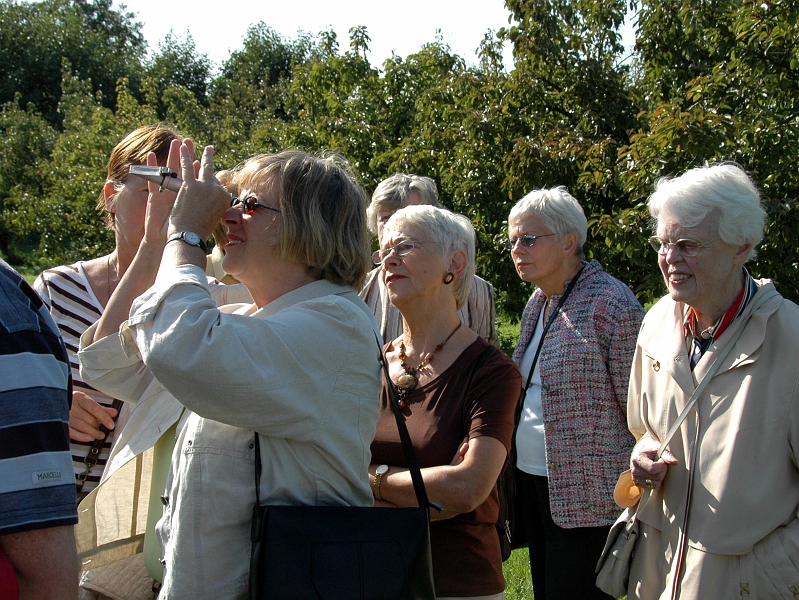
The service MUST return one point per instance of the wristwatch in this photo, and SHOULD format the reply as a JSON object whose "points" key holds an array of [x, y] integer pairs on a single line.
{"points": [[379, 472], [191, 238]]}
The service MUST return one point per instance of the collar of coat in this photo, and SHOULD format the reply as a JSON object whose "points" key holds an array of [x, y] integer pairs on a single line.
{"points": [[662, 338]]}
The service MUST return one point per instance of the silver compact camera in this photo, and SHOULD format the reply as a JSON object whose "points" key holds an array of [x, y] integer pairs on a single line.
{"points": [[165, 177]]}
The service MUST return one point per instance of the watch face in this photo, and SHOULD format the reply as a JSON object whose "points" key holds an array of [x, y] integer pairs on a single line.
{"points": [[192, 238], [381, 470]]}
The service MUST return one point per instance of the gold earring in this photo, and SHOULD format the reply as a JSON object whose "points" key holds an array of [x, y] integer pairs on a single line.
{"points": [[448, 278]]}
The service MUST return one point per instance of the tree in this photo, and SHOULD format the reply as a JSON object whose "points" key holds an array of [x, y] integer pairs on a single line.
{"points": [[26, 139], [177, 64], [739, 102], [711, 81], [576, 110], [331, 99], [248, 98], [61, 215], [96, 42]]}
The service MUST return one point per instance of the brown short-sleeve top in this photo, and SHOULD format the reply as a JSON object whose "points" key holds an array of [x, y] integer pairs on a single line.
{"points": [[460, 402]]}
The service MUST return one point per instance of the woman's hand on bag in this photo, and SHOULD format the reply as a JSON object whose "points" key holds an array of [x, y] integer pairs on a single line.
{"points": [[86, 416], [648, 472]]}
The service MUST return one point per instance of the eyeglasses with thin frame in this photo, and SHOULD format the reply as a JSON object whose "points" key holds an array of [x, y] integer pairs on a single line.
{"points": [[250, 203], [403, 248], [527, 240], [685, 247]]}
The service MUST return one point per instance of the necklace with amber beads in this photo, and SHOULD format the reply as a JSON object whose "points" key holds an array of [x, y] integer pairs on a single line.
{"points": [[409, 379]]}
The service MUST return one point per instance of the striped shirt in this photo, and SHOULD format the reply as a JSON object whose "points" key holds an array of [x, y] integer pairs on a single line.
{"points": [[36, 486], [74, 308]]}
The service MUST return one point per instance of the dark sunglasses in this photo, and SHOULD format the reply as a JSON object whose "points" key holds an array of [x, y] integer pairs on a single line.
{"points": [[250, 204], [527, 240]]}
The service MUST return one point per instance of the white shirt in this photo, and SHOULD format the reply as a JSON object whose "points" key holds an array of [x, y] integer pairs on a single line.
{"points": [[303, 371], [530, 449]]}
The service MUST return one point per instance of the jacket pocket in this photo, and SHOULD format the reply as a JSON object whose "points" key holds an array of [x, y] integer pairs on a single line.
{"points": [[599, 476], [772, 567]]}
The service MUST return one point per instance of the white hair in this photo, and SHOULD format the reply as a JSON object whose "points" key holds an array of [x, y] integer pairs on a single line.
{"points": [[393, 192], [724, 187], [558, 210], [450, 231]]}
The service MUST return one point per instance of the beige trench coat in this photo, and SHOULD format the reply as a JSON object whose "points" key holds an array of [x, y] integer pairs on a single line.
{"points": [[743, 529]]}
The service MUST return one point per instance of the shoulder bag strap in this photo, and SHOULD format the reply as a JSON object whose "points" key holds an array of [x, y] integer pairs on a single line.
{"points": [[682, 542], [553, 315], [405, 438], [711, 371]]}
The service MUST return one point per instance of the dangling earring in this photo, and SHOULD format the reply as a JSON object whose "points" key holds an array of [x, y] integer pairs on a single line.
{"points": [[448, 278]]}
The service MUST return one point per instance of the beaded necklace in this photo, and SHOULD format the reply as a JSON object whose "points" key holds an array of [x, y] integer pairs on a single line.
{"points": [[408, 380]]}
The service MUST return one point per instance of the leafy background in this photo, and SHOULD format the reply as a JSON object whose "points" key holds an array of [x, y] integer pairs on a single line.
{"points": [[707, 81]]}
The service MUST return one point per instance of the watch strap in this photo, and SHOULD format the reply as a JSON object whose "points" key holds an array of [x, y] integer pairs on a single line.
{"points": [[181, 236]]}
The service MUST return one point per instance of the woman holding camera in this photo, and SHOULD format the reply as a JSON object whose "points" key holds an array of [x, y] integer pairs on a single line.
{"points": [[297, 239]]}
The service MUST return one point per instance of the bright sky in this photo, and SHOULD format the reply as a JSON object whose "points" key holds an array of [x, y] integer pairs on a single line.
{"points": [[402, 27]]}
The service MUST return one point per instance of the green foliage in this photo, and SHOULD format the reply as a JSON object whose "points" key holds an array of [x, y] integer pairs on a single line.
{"points": [[25, 139], [62, 216], [709, 81], [177, 64], [248, 99], [736, 98], [94, 41], [508, 326], [330, 102]]}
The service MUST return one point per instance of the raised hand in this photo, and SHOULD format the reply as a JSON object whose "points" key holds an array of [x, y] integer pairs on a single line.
{"points": [[161, 201], [202, 200]]}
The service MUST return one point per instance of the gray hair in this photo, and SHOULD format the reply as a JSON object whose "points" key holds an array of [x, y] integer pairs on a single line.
{"points": [[558, 210], [450, 231], [393, 192], [724, 187]]}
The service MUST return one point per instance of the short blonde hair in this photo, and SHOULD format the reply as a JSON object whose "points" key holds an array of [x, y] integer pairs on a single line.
{"points": [[450, 231], [133, 150], [322, 212]]}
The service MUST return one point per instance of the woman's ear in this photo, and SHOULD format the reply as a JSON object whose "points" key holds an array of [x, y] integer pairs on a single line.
{"points": [[569, 242], [742, 254], [109, 192], [458, 263]]}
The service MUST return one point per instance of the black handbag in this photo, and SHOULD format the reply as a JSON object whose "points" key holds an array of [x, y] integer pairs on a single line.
{"points": [[344, 552]]}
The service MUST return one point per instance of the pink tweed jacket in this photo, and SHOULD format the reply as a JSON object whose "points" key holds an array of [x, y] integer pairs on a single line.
{"points": [[585, 368]]}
